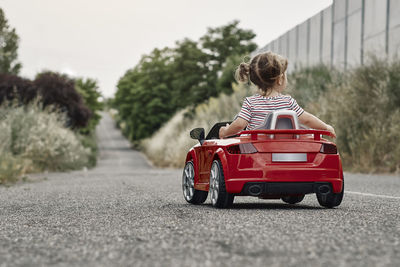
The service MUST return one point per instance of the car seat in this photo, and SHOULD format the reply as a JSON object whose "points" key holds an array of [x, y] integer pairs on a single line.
{"points": [[280, 119]]}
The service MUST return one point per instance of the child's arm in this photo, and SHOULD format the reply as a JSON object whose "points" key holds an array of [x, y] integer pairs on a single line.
{"points": [[315, 123], [236, 126]]}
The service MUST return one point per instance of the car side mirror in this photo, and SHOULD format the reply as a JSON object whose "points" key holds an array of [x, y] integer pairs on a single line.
{"points": [[198, 134]]}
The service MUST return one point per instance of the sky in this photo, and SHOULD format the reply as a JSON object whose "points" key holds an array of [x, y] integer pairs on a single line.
{"points": [[102, 39]]}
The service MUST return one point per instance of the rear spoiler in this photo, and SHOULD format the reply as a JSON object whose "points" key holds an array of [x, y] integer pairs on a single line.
{"points": [[317, 133]]}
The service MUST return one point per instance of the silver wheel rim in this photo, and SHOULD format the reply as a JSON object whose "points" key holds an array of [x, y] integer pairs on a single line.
{"points": [[188, 181], [214, 183]]}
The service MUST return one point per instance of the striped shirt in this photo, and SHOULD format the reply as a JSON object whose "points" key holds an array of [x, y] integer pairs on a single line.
{"points": [[256, 107]]}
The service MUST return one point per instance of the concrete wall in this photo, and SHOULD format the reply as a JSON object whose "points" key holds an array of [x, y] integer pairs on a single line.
{"points": [[343, 34], [339, 33], [354, 32], [292, 43], [314, 55], [326, 35], [394, 28]]}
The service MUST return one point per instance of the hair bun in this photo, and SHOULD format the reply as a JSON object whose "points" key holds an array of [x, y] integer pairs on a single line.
{"points": [[242, 72]]}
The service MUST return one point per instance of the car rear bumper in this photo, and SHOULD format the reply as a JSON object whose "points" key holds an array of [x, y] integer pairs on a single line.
{"points": [[279, 189], [259, 168], [256, 187]]}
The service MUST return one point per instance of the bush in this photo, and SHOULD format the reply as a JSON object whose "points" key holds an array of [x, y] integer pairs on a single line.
{"points": [[91, 95], [367, 114], [89, 141], [308, 84], [363, 105], [11, 168], [34, 138], [59, 90], [79, 99], [14, 87]]}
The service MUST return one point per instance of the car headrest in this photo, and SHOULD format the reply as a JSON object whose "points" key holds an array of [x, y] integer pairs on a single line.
{"points": [[281, 119]]}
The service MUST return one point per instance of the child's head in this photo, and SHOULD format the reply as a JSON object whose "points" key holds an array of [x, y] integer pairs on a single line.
{"points": [[265, 70]]}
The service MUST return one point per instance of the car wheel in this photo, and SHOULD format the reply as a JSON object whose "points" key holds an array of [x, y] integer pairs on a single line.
{"points": [[293, 199], [219, 197], [190, 194], [330, 200]]}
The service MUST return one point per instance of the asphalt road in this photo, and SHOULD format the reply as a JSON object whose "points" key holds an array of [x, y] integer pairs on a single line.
{"points": [[125, 212]]}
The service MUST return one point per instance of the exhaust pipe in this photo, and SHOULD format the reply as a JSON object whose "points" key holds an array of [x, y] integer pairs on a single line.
{"points": [[324, 189], [255, 190]]}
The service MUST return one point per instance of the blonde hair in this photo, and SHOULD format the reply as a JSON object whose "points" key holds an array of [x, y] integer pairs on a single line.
{"points": [[263, 70]]}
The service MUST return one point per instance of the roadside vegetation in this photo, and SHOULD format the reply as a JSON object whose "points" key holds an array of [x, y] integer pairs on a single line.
{"points": [[171, 79], [362, 104], [46, 124], [35, 139], [174, 90], [169, 145]]}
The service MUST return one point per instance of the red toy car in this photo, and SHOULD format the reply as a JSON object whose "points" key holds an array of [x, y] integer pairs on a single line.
{"points": [[278, 160]]}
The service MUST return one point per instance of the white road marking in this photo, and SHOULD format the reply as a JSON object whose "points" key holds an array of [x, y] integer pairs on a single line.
{"points": [[370, 195]]}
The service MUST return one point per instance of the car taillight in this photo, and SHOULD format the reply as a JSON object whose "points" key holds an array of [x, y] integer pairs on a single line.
{"points": [[328, 149], [247, 148]]}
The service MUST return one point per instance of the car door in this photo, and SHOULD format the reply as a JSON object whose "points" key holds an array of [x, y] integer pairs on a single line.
{"points": [[207, 153]]}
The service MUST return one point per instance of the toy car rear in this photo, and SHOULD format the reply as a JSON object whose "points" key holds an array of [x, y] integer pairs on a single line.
{"points": [[280, 167], [271, 162]]}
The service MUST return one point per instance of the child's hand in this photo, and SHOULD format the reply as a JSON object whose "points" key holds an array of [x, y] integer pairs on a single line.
{"points": [[330, 129], [222, 131]]}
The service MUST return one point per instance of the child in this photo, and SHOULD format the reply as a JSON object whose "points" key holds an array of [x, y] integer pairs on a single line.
{"points": [[268, 72]]}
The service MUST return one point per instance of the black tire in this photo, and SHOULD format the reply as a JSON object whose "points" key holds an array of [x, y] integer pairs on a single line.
{"points": [[219, 197], [191, 195], [293, 199], [331, 199]]}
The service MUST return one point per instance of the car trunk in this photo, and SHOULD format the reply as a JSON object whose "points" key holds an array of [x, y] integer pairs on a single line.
{"points": [[287, 146]]}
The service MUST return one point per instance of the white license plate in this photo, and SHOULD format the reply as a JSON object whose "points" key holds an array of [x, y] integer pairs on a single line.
{"points": [[289, 157]]}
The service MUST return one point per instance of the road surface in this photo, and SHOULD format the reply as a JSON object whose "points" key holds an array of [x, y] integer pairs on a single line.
{"points": [[125, 212]]}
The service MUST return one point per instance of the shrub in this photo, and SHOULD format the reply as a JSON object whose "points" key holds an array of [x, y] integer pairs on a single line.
{"points": [[366, 112], [308, 84], [59, 90], [89, 141], [11, 167], [14, 87], [91, 95], [80, 98], [34, 138], [362, 105]]}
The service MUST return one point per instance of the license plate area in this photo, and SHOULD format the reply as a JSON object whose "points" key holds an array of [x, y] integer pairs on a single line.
{"points": [[289, 157]]}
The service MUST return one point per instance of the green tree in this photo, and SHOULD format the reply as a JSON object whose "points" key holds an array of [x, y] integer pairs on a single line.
{"points": [[224, 82], [173, 78], [91, 95], [144, 94], [225, 45], [225, 41], [8, 47], [192, 83]]}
